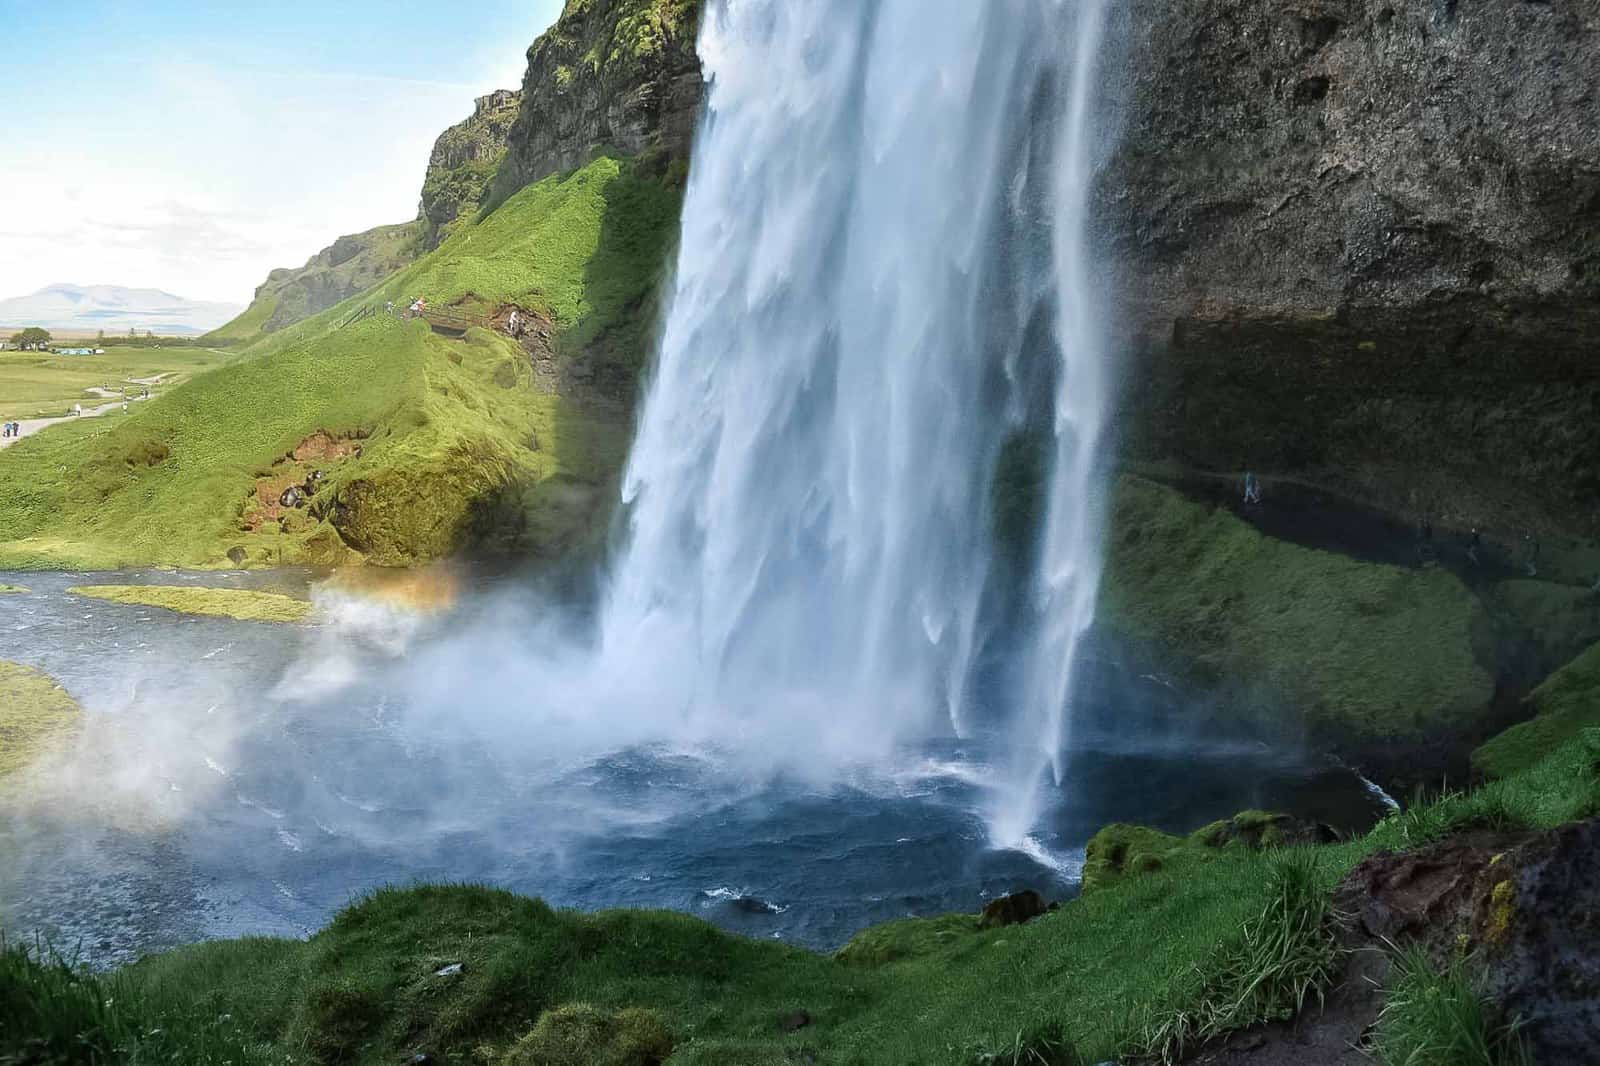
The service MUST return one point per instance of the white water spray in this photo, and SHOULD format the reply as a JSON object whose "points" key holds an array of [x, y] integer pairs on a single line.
{"points": [[883, 240]]}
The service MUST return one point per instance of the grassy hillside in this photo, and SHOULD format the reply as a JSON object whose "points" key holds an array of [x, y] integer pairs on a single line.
{"points": [[428, 443], [1368, 651], [349, 266], [250, 324], [1564, 706]]}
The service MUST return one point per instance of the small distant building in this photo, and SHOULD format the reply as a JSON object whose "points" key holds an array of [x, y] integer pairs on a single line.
{"points": [[75, 351]]}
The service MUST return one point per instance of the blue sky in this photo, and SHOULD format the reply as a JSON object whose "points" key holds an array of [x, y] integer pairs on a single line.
{"points": [[194, 146]]}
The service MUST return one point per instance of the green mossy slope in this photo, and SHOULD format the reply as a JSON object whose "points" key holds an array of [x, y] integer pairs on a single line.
{"points": [[1368, 652], [457, 445], [250, 323], [1566, 704], [349, 266]]}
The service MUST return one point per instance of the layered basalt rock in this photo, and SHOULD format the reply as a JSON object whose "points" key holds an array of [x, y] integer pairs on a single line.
{"points": [[463, 164], [617, 75], [1360, 239]]}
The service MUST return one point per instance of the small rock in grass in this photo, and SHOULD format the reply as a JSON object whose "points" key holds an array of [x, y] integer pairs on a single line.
{"points": [[1014, 909]]}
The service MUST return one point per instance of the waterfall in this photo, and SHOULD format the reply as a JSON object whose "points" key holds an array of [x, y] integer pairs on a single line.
{"points": [[882, 279]]}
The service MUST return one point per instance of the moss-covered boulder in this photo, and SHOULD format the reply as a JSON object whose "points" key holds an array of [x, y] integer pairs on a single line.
{"points": [[1564, 706], [580, 1035], [1366, 653], [1260, 829], [1119, 850], [35, 714]]}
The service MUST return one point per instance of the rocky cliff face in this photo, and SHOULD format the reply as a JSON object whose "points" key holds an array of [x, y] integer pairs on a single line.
{"points": [[619, 75], [1360, 241], [610, 74], [463, 164]]}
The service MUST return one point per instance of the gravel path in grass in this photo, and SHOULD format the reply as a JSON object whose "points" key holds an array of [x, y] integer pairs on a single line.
{"points": [[30, 426]]}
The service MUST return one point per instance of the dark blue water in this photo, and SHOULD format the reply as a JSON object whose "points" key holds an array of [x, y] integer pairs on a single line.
{"points": [[239, 778]]}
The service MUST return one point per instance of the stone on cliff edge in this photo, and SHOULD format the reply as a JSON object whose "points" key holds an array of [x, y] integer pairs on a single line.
{"points": [[1015, 909]]}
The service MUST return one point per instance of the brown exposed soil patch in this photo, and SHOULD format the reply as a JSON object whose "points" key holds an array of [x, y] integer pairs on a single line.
{"points": [[321, 447], [319, 452], [269, 494]]}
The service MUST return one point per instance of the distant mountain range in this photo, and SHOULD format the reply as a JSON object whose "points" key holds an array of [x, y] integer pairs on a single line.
{"points": [[115, 310]]}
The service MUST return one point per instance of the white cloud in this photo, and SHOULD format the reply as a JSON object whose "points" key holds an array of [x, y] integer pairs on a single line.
{"points": [[205, 178]]}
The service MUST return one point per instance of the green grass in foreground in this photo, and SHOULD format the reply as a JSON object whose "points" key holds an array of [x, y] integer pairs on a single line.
{"points": [[1371, 652], [1145, 965], [241, 604], [458, 446], [1440, 1017], [35, 713], [1567, 704]]}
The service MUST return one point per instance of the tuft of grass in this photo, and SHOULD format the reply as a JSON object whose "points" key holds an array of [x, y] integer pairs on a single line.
{"points": [[1440, 1017], [14, 590], [35, 714], [1282, 957], [242, 605], [1041, 1045], [578, 1034], [55, 1014], [1565, 705]]}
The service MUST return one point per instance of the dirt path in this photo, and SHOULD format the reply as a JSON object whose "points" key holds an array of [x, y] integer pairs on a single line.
{"points": [[30, 426]]}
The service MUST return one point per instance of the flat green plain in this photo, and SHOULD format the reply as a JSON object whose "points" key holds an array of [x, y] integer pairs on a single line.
{"points": [[42, 385]]}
